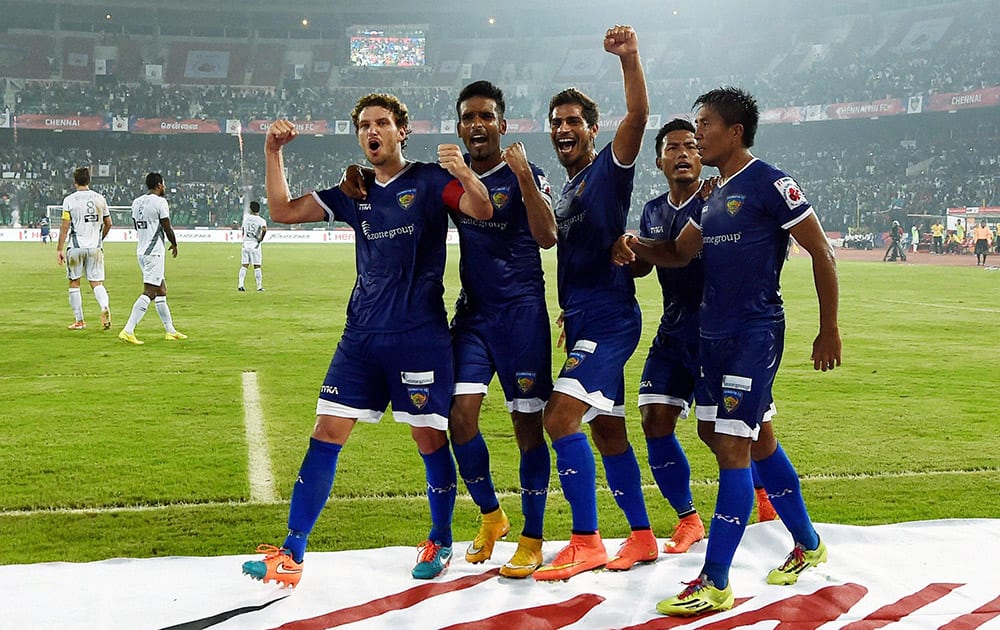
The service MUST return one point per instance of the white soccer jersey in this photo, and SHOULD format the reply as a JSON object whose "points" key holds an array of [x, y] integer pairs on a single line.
{"points": [[253, 228], [147, 211], [85, 210]]}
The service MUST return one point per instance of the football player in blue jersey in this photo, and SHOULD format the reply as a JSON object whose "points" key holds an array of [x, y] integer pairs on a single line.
{"points": [[501, 325], [666, 388], [742, 235], [395, 347], [601, 319]]}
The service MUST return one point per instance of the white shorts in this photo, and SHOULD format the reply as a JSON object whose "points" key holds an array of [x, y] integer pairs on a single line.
{"points": [[252, 255], [85, 260], [152, 268]]}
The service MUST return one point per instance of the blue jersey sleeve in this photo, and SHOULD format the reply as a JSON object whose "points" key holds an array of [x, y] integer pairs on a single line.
{"points": [[336, 205]]}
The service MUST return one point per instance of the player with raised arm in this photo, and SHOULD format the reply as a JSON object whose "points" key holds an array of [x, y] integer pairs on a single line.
{"points": [[742, 235], [501, 325], [601, 319], [86, 220], [151, 216], [254, 229], [395, 347]]}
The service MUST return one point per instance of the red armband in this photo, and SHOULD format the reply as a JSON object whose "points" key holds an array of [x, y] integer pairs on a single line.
{"points": [[452, 194]]}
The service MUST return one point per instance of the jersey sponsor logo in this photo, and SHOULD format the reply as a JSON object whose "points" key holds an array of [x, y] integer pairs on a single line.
{"points": [[329, 389], [734, 203], [585, 345], [525, 381], [741, 383], [364, 207], [656, 229], [417, 378], [405, 198], [500, 196], [419, 396], [790, 192]]}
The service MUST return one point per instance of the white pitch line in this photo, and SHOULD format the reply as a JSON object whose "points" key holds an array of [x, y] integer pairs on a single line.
{"points": [[950, 307], [420, 496], [259, 471]]}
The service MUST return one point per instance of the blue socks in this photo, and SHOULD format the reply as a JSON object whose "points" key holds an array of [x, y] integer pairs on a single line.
{"points": [[577, 475], [474, 464], [312, 489], [441, 490], [732, 511], [782, 483], [672, 472], [535, 470], [625, 483]]}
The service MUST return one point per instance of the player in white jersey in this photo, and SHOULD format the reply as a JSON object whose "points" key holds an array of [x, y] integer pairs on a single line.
{"points": [[254, 229], [86, 220], [151, 216]]}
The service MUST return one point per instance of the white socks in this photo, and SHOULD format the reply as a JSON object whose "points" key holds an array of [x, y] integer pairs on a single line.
{"points": [[138, 312], [76, 303]]}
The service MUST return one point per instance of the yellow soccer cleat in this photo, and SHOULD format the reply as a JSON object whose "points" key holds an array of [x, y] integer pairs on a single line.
{"points": [[698, 598], [495, 526], [175, 336], [795, 563], [130, 338], [525, 560]]}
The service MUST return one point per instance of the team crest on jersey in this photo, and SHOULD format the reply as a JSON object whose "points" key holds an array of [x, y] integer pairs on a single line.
{"points": [[500, 197], [573, 360], [790, 192], [734, 203], [731, 399], [419, 396], [406, 197], [525, 381], [579, 189]]}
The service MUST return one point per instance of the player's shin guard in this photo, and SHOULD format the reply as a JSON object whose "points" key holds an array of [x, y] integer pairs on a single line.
{"points": [[732, 511], [164, 312], [441, 491], [671, 472], [534, 472], [312, 489], [625, 483], [474, 464], [76, 303], [138, 312], [577, 474], [783, 488]]}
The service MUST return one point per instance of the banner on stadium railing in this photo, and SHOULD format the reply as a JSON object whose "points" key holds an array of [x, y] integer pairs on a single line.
{"points": [[986, 97], [173, 126], [302, 126], [4, 119], [865, 109], [66, 123]]}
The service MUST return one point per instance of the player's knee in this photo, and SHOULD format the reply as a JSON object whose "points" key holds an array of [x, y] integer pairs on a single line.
{"points": [[659, 420]]}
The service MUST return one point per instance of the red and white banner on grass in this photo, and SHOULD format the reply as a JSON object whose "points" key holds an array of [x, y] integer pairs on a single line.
{"points": [[934, 574]]}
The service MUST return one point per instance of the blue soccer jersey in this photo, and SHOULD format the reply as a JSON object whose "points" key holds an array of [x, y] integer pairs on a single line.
{"points": [[500, 261], [682, 287], [400, 234], [591, 215], [744, 229]]}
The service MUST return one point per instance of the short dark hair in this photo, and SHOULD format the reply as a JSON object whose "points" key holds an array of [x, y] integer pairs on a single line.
{"points": [[573, 96], [736, 106], [399, 111], [254, 207], [677, 124], [484, 89], [153, 180], [81, 176]]}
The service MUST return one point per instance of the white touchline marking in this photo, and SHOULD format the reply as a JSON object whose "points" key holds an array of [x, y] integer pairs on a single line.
{"points": [[950, 307], [422, 496], [259, 471]]}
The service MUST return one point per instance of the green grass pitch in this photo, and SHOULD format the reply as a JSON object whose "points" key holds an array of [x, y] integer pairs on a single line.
{"points": [[111, 450]]}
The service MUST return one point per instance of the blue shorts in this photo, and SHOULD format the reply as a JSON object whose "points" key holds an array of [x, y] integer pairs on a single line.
{"points": [[599, 346], [671, 370], [413, 370], [737, 376], [515, 344]]}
